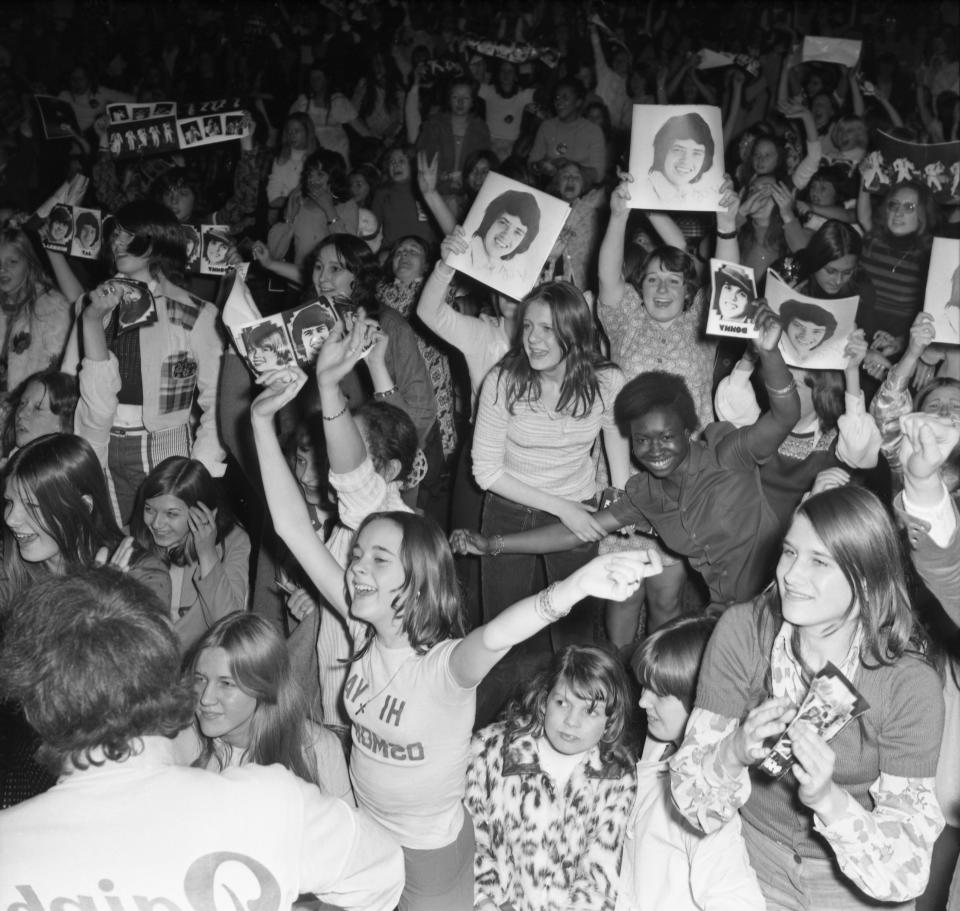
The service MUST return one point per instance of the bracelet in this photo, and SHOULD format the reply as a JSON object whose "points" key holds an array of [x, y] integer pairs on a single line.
{"points": [[393, 390], [334, 220], [340, 413], [497, 546], [787, 390], [544, 606], [726, 235]]}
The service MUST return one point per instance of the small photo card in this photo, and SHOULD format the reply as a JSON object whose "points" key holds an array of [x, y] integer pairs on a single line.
{"points": [[815, 331], [57, 232], [265, 344], [676, 157], [733, 300], [87, 233], [510, 230], [216, 246], [942, 299]]}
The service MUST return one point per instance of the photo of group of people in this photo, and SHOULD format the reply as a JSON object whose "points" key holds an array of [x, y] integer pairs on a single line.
{"points": [[815, 330], [136, 129], [73, 230], [896, 161], [510, 232], [294, 335], [676, 157], [733, 300]]}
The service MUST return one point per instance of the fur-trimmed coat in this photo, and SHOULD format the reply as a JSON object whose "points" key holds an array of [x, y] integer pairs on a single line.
{"points": [[34, 336], [536, 848]]}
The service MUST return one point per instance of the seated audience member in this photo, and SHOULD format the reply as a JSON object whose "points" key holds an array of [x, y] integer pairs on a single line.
{"points": [[97, 669]]}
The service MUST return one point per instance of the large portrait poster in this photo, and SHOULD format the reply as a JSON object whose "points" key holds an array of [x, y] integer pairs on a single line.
{"points": [[815, 331], [676, 157], [942, 298], [510, 231]]}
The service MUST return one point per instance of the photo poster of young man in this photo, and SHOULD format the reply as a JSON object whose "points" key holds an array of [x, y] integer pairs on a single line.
{"points": [[510, 231], [814, 330], [942, 298], [216, 246], [733, 300], [142, 129], [264, 344], [191, 236], [57, 118], [57, 232], [676, 157], [87, 233], [309, 326]]}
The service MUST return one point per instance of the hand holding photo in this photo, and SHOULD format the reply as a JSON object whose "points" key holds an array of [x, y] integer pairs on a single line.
{"points": [[137, 306], [676, 157], [733, 300], [942, 300], [266, 345], [510, 232], [815, 330]]}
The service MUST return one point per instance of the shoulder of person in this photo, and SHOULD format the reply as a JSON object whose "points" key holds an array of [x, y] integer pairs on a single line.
{"points": [[51, 303]]}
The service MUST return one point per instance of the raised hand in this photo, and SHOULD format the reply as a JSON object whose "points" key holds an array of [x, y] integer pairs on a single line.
{"points": [[280, 386], [202, 521], [747, 744], [340, 352], [928, 440], [427, 173], [856, 349], [614, 577], [768, 327], [454, 244], [620, 197]]}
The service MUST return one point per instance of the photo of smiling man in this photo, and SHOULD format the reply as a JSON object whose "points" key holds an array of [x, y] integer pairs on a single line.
{"points": [[511, 230], [680, 150]]}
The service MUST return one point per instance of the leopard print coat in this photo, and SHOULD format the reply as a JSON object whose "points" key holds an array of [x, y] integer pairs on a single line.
{"points": [[538, 848]]}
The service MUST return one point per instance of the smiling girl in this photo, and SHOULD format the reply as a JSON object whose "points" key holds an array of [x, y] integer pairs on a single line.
{"points": [[178, 517], [856, 820], [411, 693], [539, 415]]}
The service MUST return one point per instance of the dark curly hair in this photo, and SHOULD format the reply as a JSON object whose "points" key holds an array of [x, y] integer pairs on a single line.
{"points": [[95, 665], [655, 389], [334, 166], [355, 256]]}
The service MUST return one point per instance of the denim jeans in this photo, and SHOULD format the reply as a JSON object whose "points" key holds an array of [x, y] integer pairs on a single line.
{"points": [[509, 578]]}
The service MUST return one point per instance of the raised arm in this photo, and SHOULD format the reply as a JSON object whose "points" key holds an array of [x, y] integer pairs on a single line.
{"points": [[427, 182], [288, 511], [773, 426], [612, 577], [610, 264]]}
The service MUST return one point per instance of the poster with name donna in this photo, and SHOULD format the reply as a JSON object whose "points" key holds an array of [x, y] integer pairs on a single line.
{"points": [[733, 300]]}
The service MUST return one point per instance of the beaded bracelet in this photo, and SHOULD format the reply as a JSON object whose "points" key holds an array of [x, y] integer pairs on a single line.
{"points": [[726, 235], [543, 605], [333, 417], [497, 548], [393, 390]]}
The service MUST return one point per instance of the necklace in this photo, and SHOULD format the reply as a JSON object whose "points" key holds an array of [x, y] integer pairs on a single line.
{"points": [[363, 706], [900, 261]]}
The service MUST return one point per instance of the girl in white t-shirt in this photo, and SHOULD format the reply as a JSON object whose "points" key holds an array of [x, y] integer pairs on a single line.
{"points": [[667, 863], [411, 690]]}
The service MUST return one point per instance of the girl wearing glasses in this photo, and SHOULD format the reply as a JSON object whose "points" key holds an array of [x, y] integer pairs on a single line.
{"points": [[896, 255]]}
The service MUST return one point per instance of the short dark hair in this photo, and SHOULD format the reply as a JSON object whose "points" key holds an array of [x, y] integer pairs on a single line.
{"points": [[521, 205], [391, 434], [668, 662], [87, 220], [95, 664], [651, 390], [683, 126], [158, 236], [672, 259], [334, 166], [809, 313]]}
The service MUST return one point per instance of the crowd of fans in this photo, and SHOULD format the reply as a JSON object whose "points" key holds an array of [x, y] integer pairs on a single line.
{"points": [[519, 594]]}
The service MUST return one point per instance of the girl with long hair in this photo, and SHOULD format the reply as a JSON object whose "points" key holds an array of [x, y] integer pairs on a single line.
{"points": [[297, 141], [34, 315], [178, 517], [43, 403], [856, 820], [411, 693], [250, 707], [57, 514], [550, 788], [539, 415]]}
